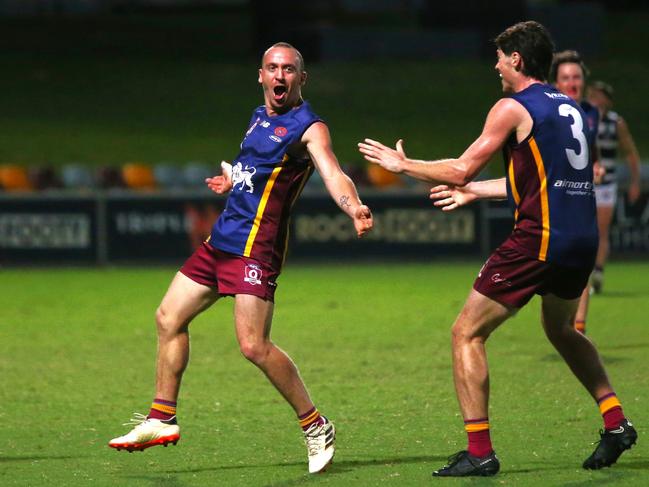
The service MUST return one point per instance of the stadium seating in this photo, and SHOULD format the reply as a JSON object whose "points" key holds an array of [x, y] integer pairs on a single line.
{"points": [[168, 176], [77, 176], [164, 176], [44, 178], [109, 177], [138, 176], [358, 174], [14, 178], [195, 172], [382, 178]]}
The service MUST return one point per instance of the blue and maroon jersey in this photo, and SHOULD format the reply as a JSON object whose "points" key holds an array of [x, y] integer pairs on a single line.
{"points": [[266, 182], [550, 181]]}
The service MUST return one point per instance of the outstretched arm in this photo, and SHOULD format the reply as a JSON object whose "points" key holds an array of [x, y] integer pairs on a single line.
{"points": [[451, 197], [504, 117], [338, 184], [633, 158], [222, 183]]}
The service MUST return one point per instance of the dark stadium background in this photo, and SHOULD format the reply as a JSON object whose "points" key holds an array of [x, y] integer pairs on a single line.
{"points": [[97, 87]]}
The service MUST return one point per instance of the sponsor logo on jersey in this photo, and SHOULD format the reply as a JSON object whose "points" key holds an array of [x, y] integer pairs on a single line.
{"points": [[279, 132], [243, 176], [253, 274], [560, 96], [252, 127], [265, 124], [578, 188], [565, 183]]}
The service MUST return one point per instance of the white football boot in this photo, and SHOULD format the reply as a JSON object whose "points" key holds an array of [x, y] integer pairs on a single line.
{"points": [[320, 442], [145, 434]]}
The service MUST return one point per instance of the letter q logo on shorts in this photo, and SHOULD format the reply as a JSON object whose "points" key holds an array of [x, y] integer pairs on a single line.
{"points": [[253, 274]]}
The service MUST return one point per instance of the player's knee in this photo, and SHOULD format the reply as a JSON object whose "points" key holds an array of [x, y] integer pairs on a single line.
{"points": [[165, 322], [462, 332], [255, 351]]}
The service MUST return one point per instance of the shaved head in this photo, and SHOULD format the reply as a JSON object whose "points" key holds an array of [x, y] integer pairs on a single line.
{"points": [[286, 45]]}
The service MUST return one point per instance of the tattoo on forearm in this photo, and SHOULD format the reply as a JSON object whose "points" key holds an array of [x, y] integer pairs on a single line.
{"points": [[344, 202]]}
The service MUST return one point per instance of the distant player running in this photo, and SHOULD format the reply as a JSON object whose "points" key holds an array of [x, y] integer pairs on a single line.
{"points": [[246, 250], [550, 251], [613, 134]]}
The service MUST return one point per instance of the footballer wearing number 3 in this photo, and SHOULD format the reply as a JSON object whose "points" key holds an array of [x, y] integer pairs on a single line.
{"points": [[550, 252]]}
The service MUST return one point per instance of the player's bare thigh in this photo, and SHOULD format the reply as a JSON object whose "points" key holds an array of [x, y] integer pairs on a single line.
{"points": [[558, 313], [184, 300], [480, 316], [252, 317]]}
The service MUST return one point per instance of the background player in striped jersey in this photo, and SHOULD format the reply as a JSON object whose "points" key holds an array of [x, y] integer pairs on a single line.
{"points": [[550, 251], [568, 73], [613, 133], [285, 139]]}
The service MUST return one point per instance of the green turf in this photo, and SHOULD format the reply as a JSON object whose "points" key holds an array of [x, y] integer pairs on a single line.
{"points": [[77, 353]]}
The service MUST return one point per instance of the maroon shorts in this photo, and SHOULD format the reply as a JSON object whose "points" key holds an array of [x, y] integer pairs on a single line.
{"points": [[512, 278], [231, 274]]}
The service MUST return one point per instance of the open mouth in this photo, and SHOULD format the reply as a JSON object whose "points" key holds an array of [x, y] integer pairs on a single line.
{"points": [[279, 92]]}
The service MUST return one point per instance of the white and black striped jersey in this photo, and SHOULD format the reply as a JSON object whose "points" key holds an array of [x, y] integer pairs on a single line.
{"points": [[607, 141]]}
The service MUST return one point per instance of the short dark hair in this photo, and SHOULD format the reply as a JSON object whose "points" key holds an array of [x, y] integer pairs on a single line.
{"points": [[567, 57], [288, 46], [603, 87], [533, 42]]}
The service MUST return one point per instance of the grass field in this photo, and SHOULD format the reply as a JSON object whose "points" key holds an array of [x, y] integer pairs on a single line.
{"points": [[77, 352]]}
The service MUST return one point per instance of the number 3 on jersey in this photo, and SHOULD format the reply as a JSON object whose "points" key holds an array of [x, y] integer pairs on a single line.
{"points": [[578, 161]]}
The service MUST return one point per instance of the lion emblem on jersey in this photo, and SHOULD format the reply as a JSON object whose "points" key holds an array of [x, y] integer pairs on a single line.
{"points": [[243, 176]]}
